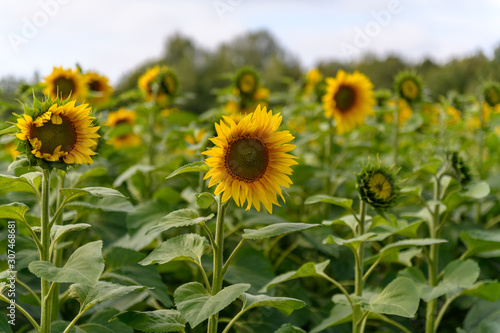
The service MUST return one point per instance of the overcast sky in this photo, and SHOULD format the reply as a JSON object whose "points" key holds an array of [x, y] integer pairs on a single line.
{"points": [[114, 36]]}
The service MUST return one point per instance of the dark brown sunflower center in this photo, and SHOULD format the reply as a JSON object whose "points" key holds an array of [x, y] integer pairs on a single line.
{"points": [[65, 86], [345, 98], [247, 159], [54, 135], [167, 85], [95, 85]]}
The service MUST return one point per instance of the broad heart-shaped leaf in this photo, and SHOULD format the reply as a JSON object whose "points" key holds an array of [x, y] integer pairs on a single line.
{"points": [[289, 328], [400, 298], [274, 230], [352, 243], [285, 305], [478, 241], [342, 202], [99, 192], [88, 296], [18, 184], [488, 290], [199, 166], [188, 247], [58, 230], [157, 321], [204, 200], [179, 218], [13, 211], [340, 313], [309, 269], [347, 220], [197, 305], [84, 266]]}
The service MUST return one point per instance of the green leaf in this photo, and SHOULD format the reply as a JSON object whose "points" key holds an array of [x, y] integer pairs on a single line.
{"points": [[132, 171], [59, 230], [191, 167], [189, 247], [396, 246], [289, 328], [285, 305], [340, 313], [400, 298], [158, 321], [477, 191], [309, 269], [274, 230], [342, 202], [197, 305], [4, 324], [10, 129], [179, 218], [352, 243], [488, 290], [89, 296], [204, 200], [99, 192], [15, 184], [348, 220], [13, 211], [482, 316], [478, 241], [84, 266]]}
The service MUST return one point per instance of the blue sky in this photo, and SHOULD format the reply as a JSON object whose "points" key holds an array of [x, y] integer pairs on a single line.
{"points": [[114, 36]]}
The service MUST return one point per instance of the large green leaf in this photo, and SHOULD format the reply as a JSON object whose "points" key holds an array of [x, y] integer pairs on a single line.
{"points": [[340, 313], [285, 305], [407, 243], [59, 230], [309, 269], [352, 243], [84, 266], [188, 247], [342, 202], [158, 321], [400, 298], [132, 171], [478, 241], [13, 211], [89, 296], [191, 167], [101, 322], [250, 266], [18, 184], [98, 192], [4, 324], [477, 190], [197, 305], [483, 317], [274, 230], [179, 218], [488, 290]]}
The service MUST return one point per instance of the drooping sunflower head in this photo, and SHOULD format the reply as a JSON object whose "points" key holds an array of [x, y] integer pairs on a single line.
{"points": [[64, 83], [250, 160], [57, 133], [246, 81], [377, 186], [122, 116], [458, 169], [348, 99], [408, 86], [99, 90], [491, 93], [161, 81]]}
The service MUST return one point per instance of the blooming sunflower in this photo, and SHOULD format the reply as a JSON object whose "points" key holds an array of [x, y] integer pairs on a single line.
{"points": [[247, 81], [65, 82], [349, 98], [377, 186], [162, 76], [98, 88], [408, 86], [58, 132], [250, 160], [122, 116], [125, 141]]}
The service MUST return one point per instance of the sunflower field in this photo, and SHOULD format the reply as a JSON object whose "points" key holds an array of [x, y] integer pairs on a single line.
{"points": [[329, 205]]}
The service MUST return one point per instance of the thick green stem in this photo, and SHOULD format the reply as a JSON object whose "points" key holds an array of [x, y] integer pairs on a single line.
{"points": [[357, 312], [218, 275], [57, 219], [433, 259], [395, 141], [45, 285]]}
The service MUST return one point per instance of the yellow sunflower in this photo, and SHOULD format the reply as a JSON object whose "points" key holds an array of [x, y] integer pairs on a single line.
{"points": [[164, 78], [65, 82], [247, 81], [98, 87], [408, 86], [125, 141], [249, 161], [454, 116], [349, 98], [122, 116], [62, 132]]}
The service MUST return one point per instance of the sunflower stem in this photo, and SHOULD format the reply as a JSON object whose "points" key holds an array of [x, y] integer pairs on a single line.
{"points": [[357, 312], [57, 252], [45, 285], [218, 275], [152, 142], [395, 141]]}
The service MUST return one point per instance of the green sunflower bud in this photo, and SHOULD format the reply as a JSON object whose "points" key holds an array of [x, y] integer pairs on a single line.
{"points": [[458, 169], [377, 186], [491, 93], [408, 86], [247, 81]]}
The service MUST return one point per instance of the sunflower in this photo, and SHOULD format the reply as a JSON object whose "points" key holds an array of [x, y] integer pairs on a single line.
{"points": [[250, 160], [458, 168], [491, 93], [125, 141], [64, 83], [98, 87], [247, 81], [165, 80], [408, 86], [122, 116], [349, 98], [377, 186], [63, 132]]}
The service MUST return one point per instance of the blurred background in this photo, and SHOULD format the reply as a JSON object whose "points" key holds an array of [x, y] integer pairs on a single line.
{"points": [[453, 45]]}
